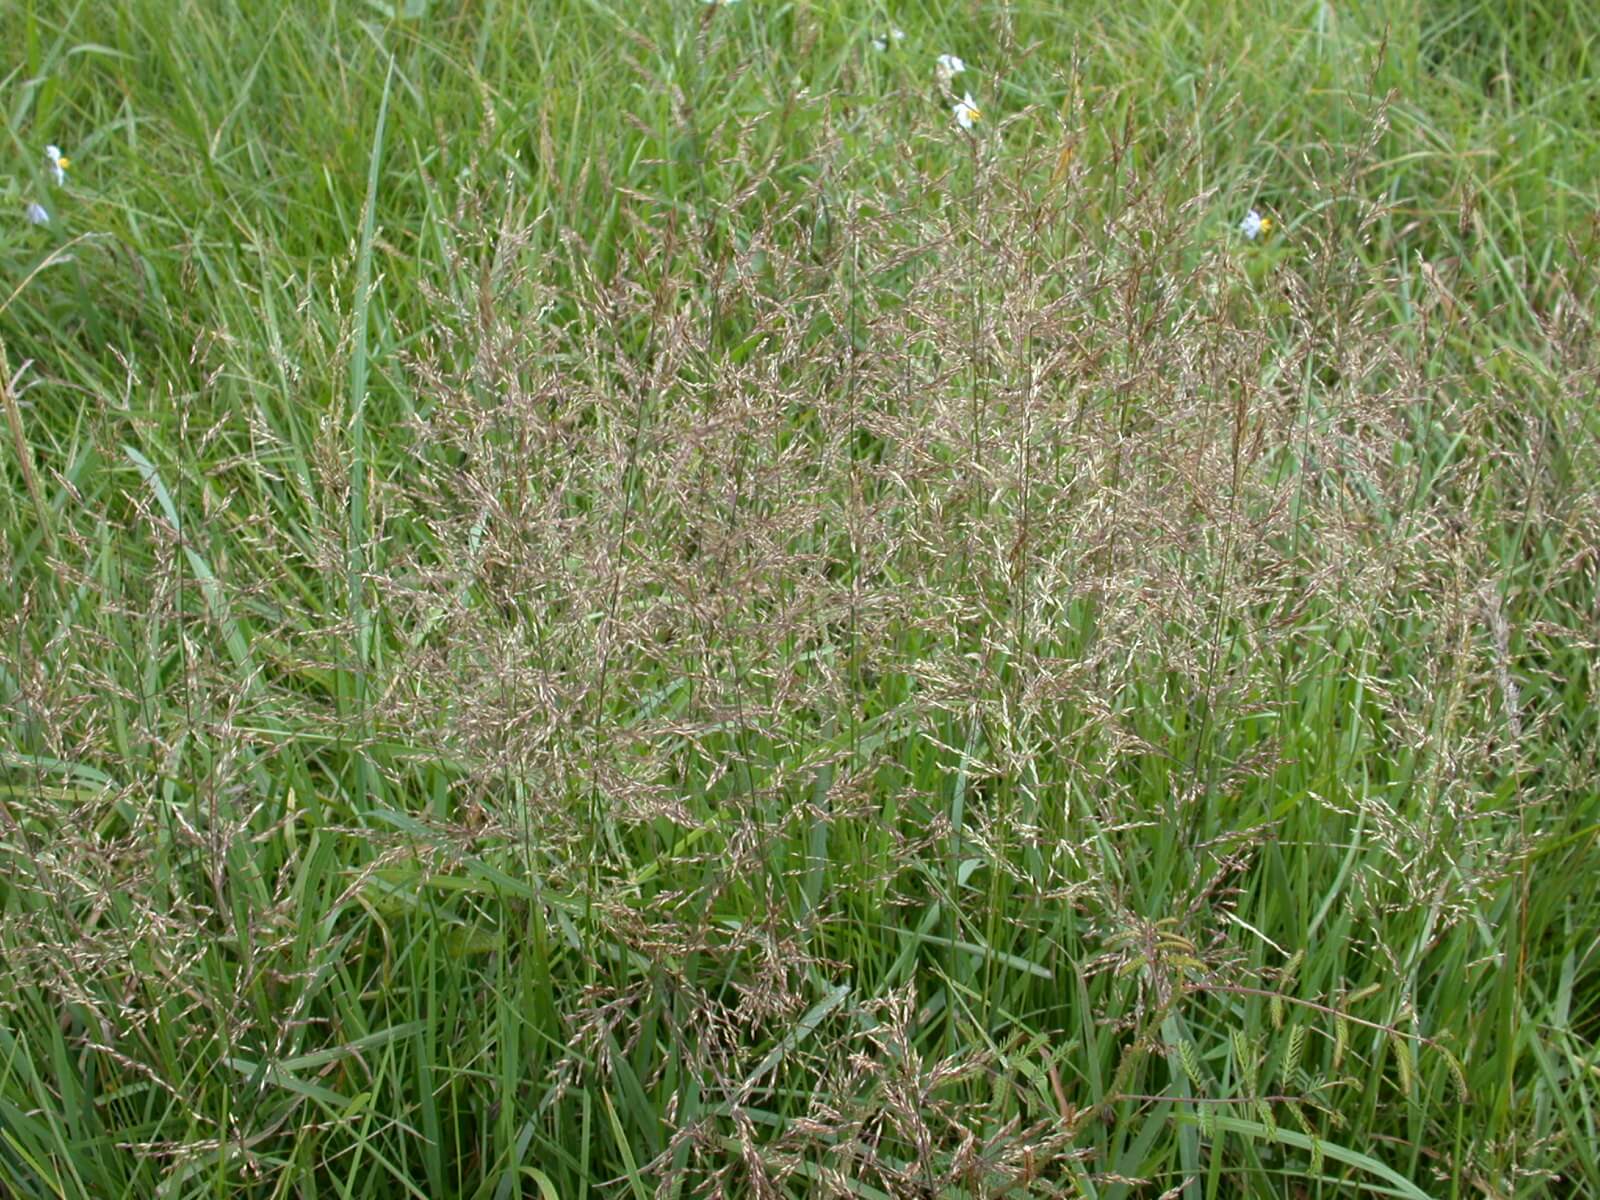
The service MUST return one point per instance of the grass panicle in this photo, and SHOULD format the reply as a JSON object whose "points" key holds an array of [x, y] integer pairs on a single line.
{"points": [[607, 603]]}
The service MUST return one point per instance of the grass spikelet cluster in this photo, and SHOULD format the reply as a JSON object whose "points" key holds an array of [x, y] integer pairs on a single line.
{"points": [[615, 603]]}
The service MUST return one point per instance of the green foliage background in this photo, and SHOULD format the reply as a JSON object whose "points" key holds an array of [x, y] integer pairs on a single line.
{"points": [[599, 602]]}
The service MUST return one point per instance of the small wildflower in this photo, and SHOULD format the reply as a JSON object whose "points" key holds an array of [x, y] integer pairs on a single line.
{"points": [[59, 163], [38, 214], [967, 112], [948, 67], [1254, 225], [895, 35]]}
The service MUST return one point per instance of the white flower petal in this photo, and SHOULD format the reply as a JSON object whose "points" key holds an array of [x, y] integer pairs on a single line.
{"points": [[38, 214], [58, 164], [967, 112], [948, 67]]}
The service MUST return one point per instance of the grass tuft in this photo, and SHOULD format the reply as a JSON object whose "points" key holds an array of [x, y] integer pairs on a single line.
{"points": [[607, 603]]}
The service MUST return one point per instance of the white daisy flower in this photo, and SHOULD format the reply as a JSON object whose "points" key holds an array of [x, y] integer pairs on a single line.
{"points": [[38, 214], [59, 163], [948, 67], [967, 112], [1254, 225]]}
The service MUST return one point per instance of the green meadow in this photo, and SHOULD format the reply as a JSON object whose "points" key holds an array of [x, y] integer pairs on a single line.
{"points": [[672, 600]]}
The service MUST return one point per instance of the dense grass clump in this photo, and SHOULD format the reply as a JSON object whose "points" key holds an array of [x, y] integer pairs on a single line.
{"points": [[602, 601]]}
